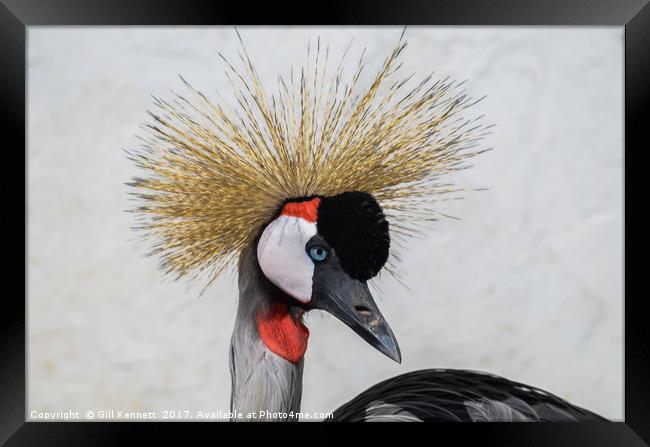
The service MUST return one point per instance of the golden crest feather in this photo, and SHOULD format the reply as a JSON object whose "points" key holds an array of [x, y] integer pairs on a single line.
{"points": [[214, 174]]}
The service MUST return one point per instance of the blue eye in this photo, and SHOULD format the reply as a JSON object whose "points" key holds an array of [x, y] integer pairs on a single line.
{"points": [[318, 253]]}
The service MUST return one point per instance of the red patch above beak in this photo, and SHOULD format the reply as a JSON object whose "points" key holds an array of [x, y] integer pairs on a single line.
{"points": [[307, 210], [281, 333]]}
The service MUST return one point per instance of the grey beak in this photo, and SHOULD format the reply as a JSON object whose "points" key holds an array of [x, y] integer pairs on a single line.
{"points": [[350, 300]]}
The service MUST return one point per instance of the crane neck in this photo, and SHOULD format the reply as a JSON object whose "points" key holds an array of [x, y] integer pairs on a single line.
{"points": [[267, 348]]}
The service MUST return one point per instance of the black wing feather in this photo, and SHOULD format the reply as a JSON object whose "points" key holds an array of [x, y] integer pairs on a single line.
{"points": [[459, 396]]}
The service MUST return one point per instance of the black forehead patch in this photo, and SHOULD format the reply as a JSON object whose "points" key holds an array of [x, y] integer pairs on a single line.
{"points": [[354, 225]]}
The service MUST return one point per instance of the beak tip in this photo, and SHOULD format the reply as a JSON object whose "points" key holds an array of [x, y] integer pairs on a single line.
{"points": [[392, 351]]}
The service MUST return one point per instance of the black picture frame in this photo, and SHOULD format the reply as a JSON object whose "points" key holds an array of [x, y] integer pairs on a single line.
{"points": [[17, 15]]}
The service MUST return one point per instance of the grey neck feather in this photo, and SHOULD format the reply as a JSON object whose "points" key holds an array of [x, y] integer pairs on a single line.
{"points": [[261, 380]]}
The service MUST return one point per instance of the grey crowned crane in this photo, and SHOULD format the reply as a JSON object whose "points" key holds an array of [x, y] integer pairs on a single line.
{"points": [[300, 187]]}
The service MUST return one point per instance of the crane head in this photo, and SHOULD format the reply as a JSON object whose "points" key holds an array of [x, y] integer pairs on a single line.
{"points": [[321, 252]]}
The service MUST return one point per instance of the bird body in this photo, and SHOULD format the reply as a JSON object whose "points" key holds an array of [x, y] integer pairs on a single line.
{"points": [[450, 395], [309, 190]]}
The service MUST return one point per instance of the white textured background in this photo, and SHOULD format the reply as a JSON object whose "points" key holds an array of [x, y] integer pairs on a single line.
{"points": [[527, 285]]}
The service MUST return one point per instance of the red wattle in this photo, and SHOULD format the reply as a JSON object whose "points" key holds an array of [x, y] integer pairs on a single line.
{"points": [[282, 334]]}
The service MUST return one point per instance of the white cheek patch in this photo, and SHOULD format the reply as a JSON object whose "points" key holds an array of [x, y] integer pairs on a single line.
{"points": [[283, 258]]}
